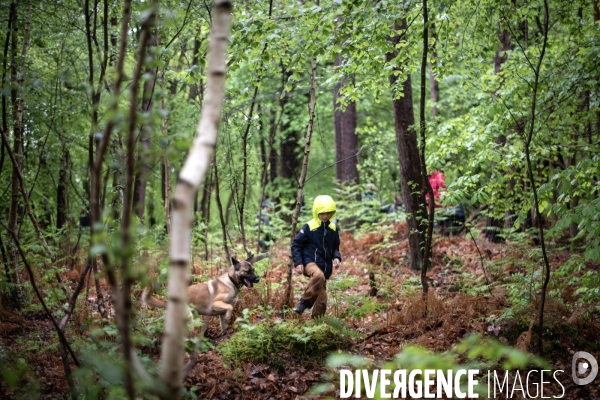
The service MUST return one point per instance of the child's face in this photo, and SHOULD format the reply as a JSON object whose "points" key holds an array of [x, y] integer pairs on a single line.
{"points": [[325, 216]]}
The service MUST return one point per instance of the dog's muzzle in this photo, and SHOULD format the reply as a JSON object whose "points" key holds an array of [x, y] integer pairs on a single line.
{"points": [[249, 282]]}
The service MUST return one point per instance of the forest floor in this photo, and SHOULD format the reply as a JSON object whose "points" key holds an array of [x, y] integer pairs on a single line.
{"points": [[457, 303]]}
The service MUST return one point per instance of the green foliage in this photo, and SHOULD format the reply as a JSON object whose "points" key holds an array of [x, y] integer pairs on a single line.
{"points": [[258, 342], [17, 374], [338, 325], [359, 308], [573, 276], [474, 352], [369, 213], [575, 273]]}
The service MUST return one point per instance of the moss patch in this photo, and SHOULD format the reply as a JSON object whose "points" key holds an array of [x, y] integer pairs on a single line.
{"points": [[263, 341]]}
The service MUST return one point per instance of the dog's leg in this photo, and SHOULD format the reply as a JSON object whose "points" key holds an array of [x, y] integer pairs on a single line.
{"points": [[205, 321], [225, 311], [194, 356]]}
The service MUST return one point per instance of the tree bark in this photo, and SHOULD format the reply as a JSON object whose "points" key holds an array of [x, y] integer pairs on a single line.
{"points": [[493, 225], [528, 140], [205, 204], [408, 156], [300, 193], [141, 177], [166, 172], [190, 178], [220, 208], [434, 87], [17, 138], [123, 305], [61, 191], [596, 19], [10, 260], [7, 42], [174, 83], [346, 140], [289, 151], [242, 199], [195, 89], [267, 162], [94, 194], [427, 186], [95, 211]]}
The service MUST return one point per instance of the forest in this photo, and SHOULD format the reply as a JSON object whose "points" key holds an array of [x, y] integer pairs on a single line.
{"points": [[453, 148]]}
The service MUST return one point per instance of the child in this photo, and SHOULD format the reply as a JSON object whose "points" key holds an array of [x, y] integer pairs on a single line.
{"points": [[315, 251]]}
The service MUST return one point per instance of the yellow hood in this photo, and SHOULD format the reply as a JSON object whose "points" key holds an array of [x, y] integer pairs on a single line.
{"points": [[322, 204]]}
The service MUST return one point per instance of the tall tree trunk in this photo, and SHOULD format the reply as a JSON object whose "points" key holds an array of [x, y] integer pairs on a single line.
{"points": [[141, 177], [434, 88], [300, 193], [273, 130], [175, 83], [196, 89], [17, 139], [118, 185], [205, 204], [408, 157], [165, 167], [18, 105], [289, 150], [222, 218], [123, 304], [150, 204], [493, 225], [7, 42], [242, 198], [9, 259], [93, 190], [426, 184], [596, 20], [230, 203], [61, 191], [190, 178], [346, 140], [272, 163], [528, 139]]}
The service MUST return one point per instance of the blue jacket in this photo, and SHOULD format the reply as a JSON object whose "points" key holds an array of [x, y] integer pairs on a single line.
{"points": [[317, 241]]}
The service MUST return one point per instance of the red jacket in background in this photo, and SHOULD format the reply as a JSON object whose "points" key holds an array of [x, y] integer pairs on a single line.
{"points": [[436, 180]]}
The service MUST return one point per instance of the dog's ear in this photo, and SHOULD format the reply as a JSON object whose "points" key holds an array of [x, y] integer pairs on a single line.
{"points": [[234, 261], [249, 259]]}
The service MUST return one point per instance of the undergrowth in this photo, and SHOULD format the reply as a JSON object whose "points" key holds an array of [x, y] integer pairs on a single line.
{"points": [[305, 340]]}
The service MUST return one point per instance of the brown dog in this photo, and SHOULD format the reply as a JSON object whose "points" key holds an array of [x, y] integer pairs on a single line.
{"points": [[215, 297]]}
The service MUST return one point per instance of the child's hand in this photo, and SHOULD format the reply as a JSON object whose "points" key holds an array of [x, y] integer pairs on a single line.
{"points": [[336, 262], [299, 269]]}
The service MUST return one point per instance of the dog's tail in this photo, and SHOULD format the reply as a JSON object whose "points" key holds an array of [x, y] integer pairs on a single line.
{"points": [[150, 301]]}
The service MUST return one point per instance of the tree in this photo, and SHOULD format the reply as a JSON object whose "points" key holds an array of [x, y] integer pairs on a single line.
{"points": [[141, 176], [346, 140], [408, 154], [190, 178]]}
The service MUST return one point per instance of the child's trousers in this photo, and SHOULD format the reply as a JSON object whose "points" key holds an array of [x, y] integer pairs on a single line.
{"points": [[315, 295]]}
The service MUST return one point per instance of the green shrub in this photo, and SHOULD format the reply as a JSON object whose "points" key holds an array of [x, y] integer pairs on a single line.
{"points": [[261, 341]]}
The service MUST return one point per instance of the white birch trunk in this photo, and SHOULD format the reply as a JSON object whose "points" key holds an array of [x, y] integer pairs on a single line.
{"points": [[190, 178]]}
